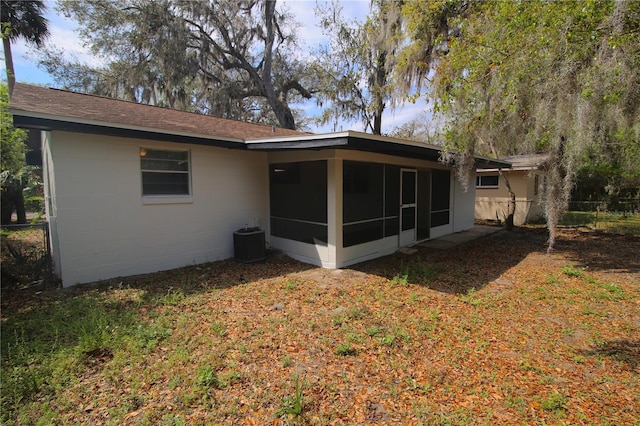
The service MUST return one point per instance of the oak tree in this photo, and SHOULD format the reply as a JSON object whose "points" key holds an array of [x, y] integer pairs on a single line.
{"points": [[522, 77], [229, 59]]}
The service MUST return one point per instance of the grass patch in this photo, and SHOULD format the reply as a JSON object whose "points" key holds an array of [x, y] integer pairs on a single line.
{"points": [[148, 336], [570, 271], [293, 405], [286, 361], [555, 401], [208, 377], [218, 328], [472, 298], [374, 330], [607, 291], [43, 348], [345, 349]]}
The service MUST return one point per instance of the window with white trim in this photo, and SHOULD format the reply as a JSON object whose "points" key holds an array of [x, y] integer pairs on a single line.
{"points": [[165, 172], [487, 181]]}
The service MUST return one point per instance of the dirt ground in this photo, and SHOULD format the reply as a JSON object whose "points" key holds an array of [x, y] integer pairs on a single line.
{"points": [[492, 331]]}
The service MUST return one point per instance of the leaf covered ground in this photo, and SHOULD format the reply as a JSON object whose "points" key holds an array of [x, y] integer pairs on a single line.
{"points": [[494, 331]]}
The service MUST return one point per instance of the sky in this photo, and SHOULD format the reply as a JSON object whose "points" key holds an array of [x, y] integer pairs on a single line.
{"points": [[64, 37]]}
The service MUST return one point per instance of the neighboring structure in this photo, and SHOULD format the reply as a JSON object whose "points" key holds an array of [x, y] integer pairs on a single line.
{"points": [[526, 180], [134, 189]]}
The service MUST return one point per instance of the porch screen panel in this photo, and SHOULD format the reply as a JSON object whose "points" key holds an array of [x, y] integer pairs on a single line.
{"points": [[424, 197], [363, 202], [298, 201], [391, 200], [440, 193], [362, 191], [371, 202]]}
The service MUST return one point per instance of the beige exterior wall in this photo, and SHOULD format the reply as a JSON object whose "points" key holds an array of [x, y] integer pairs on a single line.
{"points": [[104, 228], [493, 203]]}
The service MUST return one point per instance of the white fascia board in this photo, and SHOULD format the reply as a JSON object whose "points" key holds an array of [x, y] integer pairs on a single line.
{"points": [[511, 169], [301, 138], [347, 134]]}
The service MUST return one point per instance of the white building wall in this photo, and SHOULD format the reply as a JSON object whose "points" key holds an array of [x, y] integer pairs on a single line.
{"points": [[50, 207], [106, 229], [464, 203], [333, 255]]}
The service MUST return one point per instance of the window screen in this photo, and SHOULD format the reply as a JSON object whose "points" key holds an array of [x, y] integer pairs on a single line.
{"points": [[487, 181], [440, 192], [298, 200], [371, 199], [165, 172]]}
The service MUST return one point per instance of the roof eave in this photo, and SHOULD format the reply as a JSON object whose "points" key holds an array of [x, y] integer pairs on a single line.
{"points": [[485, 163], [43, 122], [349, 140]]}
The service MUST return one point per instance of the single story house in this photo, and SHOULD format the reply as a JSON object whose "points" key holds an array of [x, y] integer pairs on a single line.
{"points": [[133, 189], [526, 180]]}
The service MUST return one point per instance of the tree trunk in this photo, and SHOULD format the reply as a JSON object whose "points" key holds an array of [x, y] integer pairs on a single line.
{"points": [[511, 211], [21, 212], [282, 111], [511, 204], [8, 60], [8, 201], [6, 210], [381, 81], [377, 124]]}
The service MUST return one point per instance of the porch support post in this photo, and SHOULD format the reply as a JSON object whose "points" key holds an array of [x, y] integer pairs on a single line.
{"points": [[334, 213]]}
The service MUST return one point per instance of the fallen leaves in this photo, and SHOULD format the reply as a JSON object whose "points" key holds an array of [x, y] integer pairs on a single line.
{"points": [[492, 331]]}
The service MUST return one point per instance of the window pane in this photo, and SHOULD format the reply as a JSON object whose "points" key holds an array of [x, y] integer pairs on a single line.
{"points": [[164, 154], [408, 218], [490, 180], [164, 172], [165, 183], [157, 164], [408, 187]]}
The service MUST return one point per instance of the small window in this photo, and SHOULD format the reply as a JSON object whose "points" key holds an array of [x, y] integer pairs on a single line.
{"points": [[487, 181], [165, 172]]}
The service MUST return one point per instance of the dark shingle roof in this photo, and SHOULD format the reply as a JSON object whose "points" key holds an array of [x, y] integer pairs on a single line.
{"points": [[65, 106], [49, 109]]}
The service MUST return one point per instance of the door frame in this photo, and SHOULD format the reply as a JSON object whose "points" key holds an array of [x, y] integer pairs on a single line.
{"points": [[408, 236]]}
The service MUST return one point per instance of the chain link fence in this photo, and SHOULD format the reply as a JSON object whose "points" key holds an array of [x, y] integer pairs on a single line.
{"points": [[621, 205], [620, 216]]}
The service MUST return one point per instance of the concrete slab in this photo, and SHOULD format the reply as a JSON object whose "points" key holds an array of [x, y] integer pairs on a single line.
{"points": [[453, 240]]}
